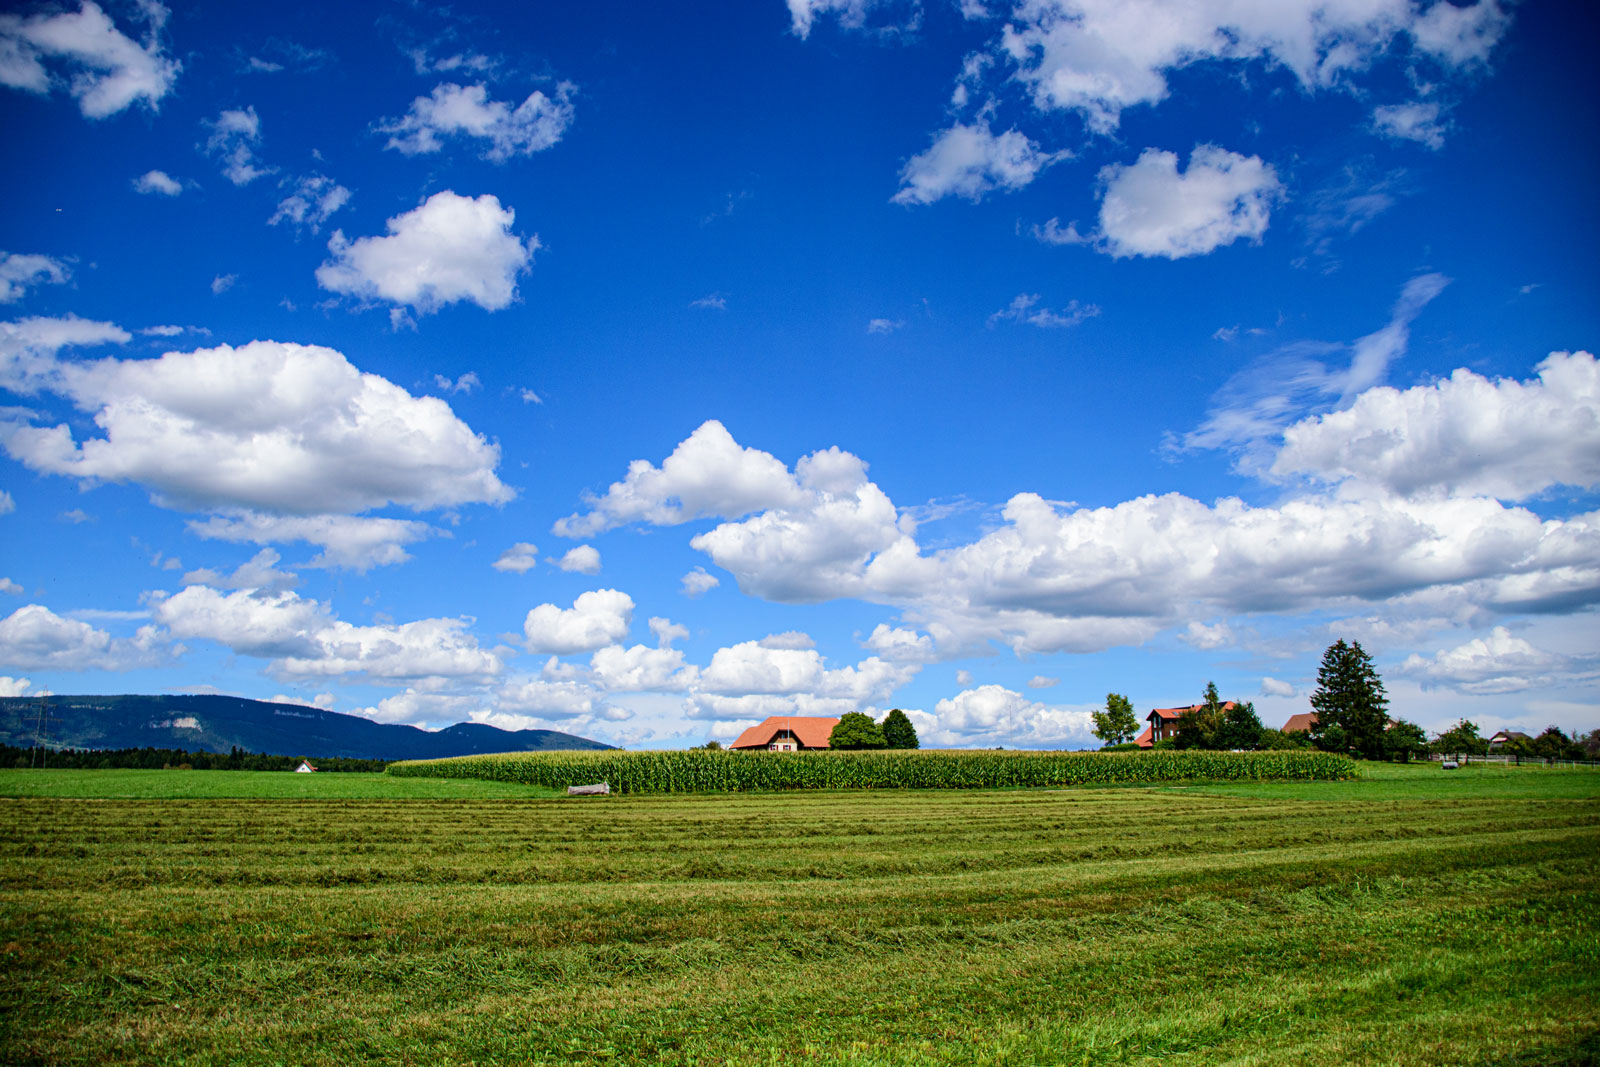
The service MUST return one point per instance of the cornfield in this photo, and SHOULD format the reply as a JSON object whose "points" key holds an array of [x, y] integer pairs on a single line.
{"points": [[699, 771]]}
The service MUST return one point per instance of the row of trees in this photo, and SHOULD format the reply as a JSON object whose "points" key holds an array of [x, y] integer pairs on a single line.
{"points": [[1213, 723], [158, 758], [1350, 702], [857, 729], [1352, 716], [1463, 739]]}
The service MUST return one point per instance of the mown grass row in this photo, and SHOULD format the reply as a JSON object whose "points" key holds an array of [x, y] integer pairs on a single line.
{"points": [[1321, 924], [698, 771]]}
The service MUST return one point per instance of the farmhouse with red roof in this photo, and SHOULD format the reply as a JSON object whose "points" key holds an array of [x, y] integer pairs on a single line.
{"points": [[1301, 722], [1164, 723], [787, 733]]}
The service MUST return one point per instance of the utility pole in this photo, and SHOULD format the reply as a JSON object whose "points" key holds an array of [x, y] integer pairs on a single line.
{"points": [[40, 733]]}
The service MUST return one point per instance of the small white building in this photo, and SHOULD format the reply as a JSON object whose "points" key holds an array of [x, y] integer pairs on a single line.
{"points": [[304, 768]]}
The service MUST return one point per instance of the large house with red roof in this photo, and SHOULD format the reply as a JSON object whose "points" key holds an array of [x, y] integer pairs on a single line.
{"points": [[1164, 723], [1303, 722], [787, 733], [1300, 722]]}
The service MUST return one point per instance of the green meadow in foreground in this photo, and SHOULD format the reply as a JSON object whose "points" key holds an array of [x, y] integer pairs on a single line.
{"points": [[1410, 917], [176, 784]]}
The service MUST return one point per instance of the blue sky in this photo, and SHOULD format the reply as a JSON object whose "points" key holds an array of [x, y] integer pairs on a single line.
{"points": [[648, 375]]}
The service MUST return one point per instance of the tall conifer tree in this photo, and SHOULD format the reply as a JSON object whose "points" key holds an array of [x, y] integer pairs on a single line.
{"points": [[1352, 709]]}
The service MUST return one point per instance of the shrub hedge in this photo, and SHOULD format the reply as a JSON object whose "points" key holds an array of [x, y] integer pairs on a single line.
{"points": [[700, 771]]}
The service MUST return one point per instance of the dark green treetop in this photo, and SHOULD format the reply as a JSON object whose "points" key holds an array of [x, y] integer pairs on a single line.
{"points": [[898, 731], [1200, 726], [1404, 740], [856, 730], [1241, 728], [1352, 709], [1461, 739]]}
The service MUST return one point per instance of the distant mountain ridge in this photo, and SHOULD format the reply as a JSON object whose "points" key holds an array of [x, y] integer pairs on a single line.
{"points": [[219, 723]]}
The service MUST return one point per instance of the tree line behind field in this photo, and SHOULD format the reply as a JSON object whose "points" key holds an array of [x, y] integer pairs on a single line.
{"points": [[173, 759], [1352, 716], [1463, 739]]}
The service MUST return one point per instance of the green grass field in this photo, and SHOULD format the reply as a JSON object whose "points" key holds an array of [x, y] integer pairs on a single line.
{"points": [[1412, 917], [174, 785]]}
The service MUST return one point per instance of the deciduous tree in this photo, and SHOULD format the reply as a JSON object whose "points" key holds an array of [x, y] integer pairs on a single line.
{"points": [[1404, 740], [898, 731], [1279, 741], [1461, 740], [1116, 723], [1241, 727], [1201, 725], [1554, 744], [856, 730]]}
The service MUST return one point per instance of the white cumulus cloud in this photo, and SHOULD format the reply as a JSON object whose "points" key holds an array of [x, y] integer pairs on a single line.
{"points": [[641, 669], [1206, 638], [994, 715], [353, 542], [667, 631], [268, 425], [312, 200], [970, 161], [467, 111], [1099, 57], [852, 14], [106, 70], [585, 559], [547, 700], [708, 474], [697, 582], [900, 644], [1272, 687], [235, 134], [281, 442], [259, 572], [452, 248], [597, 618], [305, 640], [1420, 121], [157, 182], [1500, 662], [520, 558], [1506, 438], [1054, 577], [35, 638], [753, 679], [19, 273], [1148, 208]]}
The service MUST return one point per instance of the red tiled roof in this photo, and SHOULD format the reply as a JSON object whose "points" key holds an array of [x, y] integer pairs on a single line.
{"points": [[1302, 722], [1172, 714], [811, 730], [1144, 739]]}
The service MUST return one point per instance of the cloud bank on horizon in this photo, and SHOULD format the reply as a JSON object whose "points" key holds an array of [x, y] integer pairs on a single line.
{"points": [[1272, 393]]}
